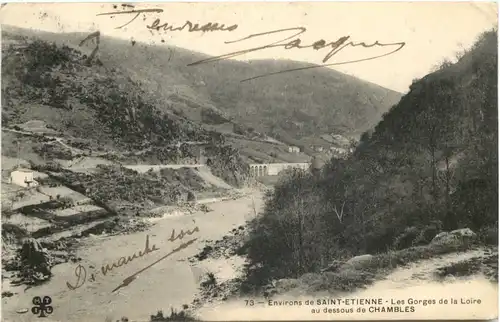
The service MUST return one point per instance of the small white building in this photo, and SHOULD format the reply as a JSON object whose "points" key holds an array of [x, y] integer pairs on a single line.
{"points": [[293, 149], [23, 178]]}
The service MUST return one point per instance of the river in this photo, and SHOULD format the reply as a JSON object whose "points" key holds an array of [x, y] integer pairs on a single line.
{"points": [[170, 283]]}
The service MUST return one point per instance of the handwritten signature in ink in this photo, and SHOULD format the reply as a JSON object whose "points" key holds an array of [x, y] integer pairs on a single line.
{"points": [[81, 271], [293, 41], [159, 26]]}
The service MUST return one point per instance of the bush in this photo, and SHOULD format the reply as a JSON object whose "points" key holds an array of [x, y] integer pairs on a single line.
{"points": [[174, 316], [346, 281], [12, 233], [226, 163], [489, 235], [54, 151], [49, 166], [407, 238], [210, 281], [427, 233]]}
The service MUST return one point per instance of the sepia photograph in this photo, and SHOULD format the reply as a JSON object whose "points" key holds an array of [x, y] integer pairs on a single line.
{"points": [[249, 161]]}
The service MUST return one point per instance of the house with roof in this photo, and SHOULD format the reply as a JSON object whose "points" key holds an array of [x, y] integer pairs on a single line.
{"points": [[23, 177]]}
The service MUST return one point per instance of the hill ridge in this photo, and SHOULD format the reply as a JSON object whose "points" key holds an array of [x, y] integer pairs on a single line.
{"points": [[261, 104]]}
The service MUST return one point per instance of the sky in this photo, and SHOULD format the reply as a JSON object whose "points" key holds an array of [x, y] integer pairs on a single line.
{"points": [[430, 31]]}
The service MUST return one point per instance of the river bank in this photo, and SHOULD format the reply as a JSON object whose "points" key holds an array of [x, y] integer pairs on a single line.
{"points": [[169, 284]]}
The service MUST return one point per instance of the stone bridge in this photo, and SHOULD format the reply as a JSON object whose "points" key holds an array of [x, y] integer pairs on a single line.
{"points": [[272, 169], [256, 169]]}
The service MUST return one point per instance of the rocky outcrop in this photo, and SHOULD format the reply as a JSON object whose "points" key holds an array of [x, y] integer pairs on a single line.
{"points": [[226, 247], [12, 236], [280, 286], [226, 163], [459, 237], [35, 262], [334, 266], [358, 263], [417, 236], [32, 263]]}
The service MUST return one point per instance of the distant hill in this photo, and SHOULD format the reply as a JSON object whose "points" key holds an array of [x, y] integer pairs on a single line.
{"points": [[289, 107]]}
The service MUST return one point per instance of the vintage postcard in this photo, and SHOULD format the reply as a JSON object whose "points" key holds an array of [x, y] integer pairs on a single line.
{"points": [[249, 161]]}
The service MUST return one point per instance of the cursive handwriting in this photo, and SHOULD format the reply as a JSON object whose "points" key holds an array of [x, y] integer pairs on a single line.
{"points": [[132, 277], [133, 11], [158, 25], [182, 234], [124, 261], [81, 275], [293, 41], [191, 27], [81, 271], [289, 42]]}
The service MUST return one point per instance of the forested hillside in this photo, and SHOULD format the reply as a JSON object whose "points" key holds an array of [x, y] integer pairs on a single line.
{"points": [[55, 84], [429, 165]]}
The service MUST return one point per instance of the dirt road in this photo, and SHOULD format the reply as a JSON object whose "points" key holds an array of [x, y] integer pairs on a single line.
{"points": [[170, 283], [410, 285]]}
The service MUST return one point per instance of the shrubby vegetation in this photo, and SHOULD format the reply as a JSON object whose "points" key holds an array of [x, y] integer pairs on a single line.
{"points": [[130, 117], [53, 151], [226, 163], [118, 188], [429, 165], [174, 316]]}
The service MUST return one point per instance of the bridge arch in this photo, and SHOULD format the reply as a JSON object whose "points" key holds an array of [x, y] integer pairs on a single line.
{"points": [[264, 169]]}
